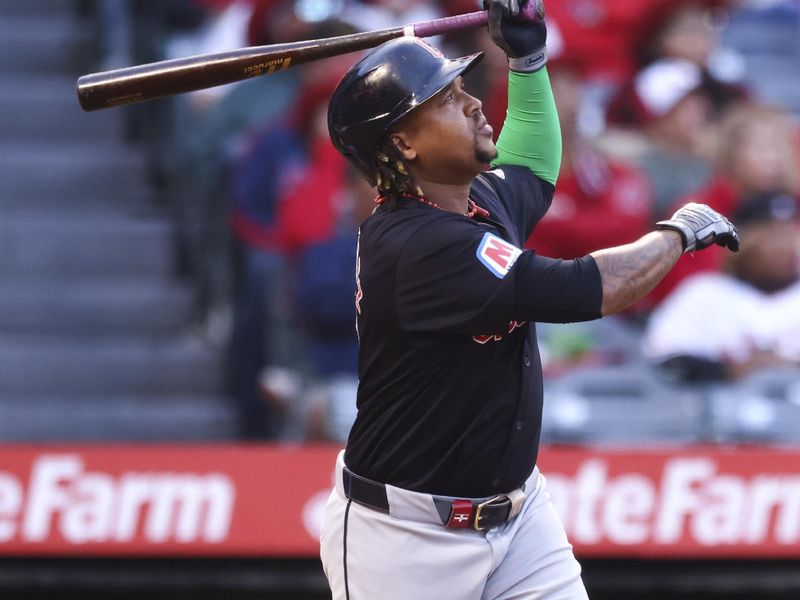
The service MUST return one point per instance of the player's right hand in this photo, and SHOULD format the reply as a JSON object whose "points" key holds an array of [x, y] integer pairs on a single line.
{"points": [[701, 226], [523, 40]]}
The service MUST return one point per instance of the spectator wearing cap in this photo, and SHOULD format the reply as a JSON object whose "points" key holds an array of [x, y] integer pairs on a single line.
{"points": [[756, 154], [668, 100], [685, 30], [685, 83], [729, 324]]}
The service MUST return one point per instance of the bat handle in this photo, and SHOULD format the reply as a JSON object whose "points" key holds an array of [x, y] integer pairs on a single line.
{"points": [[532, 12], [448, 24]]}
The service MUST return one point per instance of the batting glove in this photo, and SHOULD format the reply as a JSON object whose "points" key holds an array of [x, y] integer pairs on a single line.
{"points": [[700, 226], [519, 30]]}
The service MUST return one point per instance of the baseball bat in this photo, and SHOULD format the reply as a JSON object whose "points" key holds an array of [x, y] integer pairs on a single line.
{"points": [[139, 83]]}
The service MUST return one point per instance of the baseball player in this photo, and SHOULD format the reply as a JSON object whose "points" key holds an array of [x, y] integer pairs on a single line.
{"points": [[437, 494]]}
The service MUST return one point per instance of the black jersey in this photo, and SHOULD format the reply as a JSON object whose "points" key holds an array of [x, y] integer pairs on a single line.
{"points": [[450, 391]]}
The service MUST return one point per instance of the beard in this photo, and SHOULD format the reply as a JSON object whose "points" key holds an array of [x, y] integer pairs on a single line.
{"points": [[484, 155]]}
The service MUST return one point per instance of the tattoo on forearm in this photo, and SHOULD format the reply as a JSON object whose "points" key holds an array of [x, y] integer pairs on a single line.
{"points": [[629, 272]]}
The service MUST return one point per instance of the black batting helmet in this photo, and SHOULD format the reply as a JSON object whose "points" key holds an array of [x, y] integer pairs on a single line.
{"points": [[381, 89]]}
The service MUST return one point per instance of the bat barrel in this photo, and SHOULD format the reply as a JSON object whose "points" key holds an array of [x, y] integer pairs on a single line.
{"points": [[166, 78], [150, 81]]}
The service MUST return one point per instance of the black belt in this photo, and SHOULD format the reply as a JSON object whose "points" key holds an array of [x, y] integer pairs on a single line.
{"points": [[479, 514]]}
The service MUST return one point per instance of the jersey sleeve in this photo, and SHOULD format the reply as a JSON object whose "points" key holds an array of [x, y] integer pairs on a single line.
{"points": [[522, 195], [455, 276]]}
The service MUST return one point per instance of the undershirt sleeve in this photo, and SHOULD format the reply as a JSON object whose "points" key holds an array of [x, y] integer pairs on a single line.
{"points": [[531, 134]]}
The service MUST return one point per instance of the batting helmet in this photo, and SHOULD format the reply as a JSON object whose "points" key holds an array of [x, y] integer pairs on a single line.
{"points": [[381, 89]]}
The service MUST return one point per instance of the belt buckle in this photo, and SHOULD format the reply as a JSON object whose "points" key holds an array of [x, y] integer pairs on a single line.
{"points": [[480, 508]]}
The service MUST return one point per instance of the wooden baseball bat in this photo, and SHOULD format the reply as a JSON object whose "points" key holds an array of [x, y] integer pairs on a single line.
{"points": [[165, 78]]}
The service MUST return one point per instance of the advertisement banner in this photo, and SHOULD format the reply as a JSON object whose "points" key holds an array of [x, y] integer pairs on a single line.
{"points": [[267, 500]]}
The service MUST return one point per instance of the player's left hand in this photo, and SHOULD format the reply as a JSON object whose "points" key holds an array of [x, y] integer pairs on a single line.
{"points": [[701, 226], [521, 38]]}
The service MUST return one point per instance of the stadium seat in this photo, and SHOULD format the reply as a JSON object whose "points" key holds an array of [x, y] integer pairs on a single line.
{"points": [[620, 405], [764, 407]]}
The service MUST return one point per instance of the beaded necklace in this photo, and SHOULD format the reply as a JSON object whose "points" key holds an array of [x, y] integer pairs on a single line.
{"points": [[472, 208]]}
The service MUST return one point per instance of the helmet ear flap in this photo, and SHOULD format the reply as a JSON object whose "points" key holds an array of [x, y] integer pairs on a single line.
{"points": [[380, 89]]}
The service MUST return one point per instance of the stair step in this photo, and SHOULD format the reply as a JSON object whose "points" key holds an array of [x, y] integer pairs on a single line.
{"points": [[29, 169], [45, 365], [42, 42], [94, 307], [137, 202], [35, 7], [117, 418], [47, 109], [88, 247]]}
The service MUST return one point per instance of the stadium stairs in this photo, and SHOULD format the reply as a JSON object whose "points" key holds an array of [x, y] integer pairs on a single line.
{"points": [[95, 336]]}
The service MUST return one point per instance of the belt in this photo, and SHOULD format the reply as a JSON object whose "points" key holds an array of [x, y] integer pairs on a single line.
{"points": [[456, 513]]}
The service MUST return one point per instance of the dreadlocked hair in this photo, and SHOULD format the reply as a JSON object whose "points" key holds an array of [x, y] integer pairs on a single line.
{"points": [[392, 174]]}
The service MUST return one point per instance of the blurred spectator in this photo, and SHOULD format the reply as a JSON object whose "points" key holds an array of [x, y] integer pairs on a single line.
{"points": [[665, 115], [207, 130], [599, 202], [306, 210], [324, 303], [267, 167], [224, 28], [668, 101], [687, 30], [602, 33], [726, 325], [570, 347], [756, 154], [273, 213], [614, 39]]}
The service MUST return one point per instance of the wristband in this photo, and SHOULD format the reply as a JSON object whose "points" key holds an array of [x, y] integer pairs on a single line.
{"points": [[530, 63]]}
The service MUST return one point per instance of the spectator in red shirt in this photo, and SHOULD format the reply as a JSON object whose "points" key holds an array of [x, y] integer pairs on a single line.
{"points": [[599, 202], [602, 33]]}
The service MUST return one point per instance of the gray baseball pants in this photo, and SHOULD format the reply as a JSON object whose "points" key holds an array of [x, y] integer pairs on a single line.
{"points": [[409, 555]]}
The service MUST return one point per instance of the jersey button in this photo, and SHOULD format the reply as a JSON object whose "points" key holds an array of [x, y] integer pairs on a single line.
{"points": [[527, 361], [518, 425], [496, 482]]}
